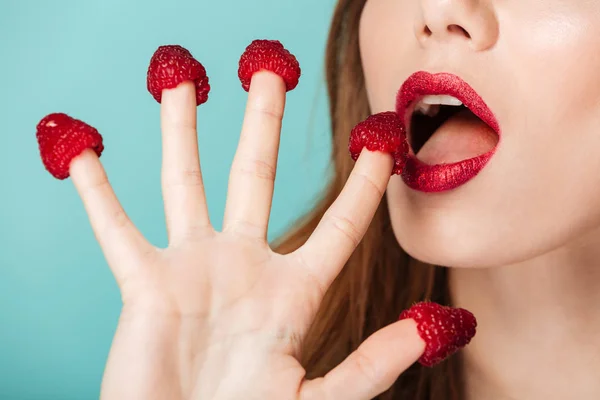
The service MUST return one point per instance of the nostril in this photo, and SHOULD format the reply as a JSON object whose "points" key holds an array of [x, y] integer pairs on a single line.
{"points": [[457, 29], [427, 31]]}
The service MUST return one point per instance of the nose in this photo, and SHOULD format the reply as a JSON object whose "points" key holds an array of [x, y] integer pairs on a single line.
{"points": [[471, 21]]}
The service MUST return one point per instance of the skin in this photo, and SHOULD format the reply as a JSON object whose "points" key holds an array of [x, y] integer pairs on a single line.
{"points": [[219, 315], [526, 230]]}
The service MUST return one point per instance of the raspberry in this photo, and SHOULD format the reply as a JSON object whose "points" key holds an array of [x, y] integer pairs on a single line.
{"points": [[272, 56], [445, 330], [171, 65], [381, 132], [61, 139]]}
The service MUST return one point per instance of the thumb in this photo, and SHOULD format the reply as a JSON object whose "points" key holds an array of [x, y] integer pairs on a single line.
{"points": [[372, 368]]}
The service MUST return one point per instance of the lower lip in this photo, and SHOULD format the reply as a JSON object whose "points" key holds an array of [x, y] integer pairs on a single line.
{"points": [[442, 177]]}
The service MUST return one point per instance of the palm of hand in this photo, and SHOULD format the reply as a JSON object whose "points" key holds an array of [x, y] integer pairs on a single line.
{"points": [[233, 322], [219, 315]]}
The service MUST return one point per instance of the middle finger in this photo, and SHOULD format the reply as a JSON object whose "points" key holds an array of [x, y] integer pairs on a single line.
{"points": [[183, 188], [252, 176]]}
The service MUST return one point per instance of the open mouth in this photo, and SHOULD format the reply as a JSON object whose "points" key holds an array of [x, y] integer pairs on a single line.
{"points": [[446, 122], [428, 115], [450, 130]]}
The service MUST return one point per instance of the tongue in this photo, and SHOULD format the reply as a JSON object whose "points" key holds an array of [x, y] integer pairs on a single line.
{"points": [[461, 137]]}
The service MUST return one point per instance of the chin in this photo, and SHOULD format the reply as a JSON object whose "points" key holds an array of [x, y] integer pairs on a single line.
{"points": [[450, 243]]}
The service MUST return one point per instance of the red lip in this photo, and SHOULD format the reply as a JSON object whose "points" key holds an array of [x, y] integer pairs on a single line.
{"points": [[437, 178]]}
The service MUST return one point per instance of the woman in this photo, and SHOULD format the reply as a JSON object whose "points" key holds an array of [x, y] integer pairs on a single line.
{"points": [[222, 316]]}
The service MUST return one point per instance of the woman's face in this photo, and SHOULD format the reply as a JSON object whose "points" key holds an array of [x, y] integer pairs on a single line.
{"points": [[536, 64]]}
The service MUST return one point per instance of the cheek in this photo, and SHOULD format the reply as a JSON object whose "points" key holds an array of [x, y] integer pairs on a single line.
{"points": [[385, 36], [550, 54], [553, 58]]}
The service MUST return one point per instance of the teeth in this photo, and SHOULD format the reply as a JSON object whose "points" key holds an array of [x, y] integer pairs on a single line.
{"points": [[441, 100], [431, 110], [430, 105]]}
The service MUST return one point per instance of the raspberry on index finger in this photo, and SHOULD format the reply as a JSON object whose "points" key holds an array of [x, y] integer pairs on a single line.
{"points": [[381, 132]]}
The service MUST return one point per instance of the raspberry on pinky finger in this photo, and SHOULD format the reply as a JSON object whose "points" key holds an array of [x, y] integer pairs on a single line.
{"points": [[61, 138], [171, 65], [269, 55]]}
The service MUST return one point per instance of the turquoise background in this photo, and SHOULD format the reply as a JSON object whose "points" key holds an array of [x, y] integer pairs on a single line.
{"points": [[58, 302]]}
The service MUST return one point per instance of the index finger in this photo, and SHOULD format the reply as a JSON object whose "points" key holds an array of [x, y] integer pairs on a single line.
{"points": [[345, 223]]}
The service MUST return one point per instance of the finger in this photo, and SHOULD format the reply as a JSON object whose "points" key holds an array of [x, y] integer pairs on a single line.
{"points": [[372, 368], [183, 188], [347, 220], [123, 245], [252, 176]]}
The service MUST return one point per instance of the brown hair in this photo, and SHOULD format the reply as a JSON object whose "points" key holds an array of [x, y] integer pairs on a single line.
{"points": [[380, 279]]}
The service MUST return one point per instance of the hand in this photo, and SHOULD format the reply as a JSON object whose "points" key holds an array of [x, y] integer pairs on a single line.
{"points": [[219, 315]]}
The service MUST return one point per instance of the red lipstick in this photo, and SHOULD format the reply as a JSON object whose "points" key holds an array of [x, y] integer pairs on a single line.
{"points": [[441, 177]]}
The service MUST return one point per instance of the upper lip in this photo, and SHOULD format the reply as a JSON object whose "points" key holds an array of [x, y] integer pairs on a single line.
{"points": [[423, 83]]}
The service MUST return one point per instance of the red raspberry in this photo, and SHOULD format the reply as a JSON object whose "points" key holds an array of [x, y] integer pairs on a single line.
{"points": [[272, 56], [172, 65], [61, 139], [445, 330], [381, 132]]}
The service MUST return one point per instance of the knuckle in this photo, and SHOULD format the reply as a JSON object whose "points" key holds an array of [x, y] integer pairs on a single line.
{"points": [[149, 255], [245, 229], [116, 221], [120, 219], [313, 280], [289, 339], [264, 107], [96, 187], [198, 232], [347, 227], [257, 168], [316, 389], [190, 177], [367, 367], [181, 126], [370, 184]]}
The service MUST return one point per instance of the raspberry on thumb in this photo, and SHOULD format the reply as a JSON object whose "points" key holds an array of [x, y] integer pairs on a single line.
{"points": [[445, 330], [269, 55], [171, 65], [61, 138]]}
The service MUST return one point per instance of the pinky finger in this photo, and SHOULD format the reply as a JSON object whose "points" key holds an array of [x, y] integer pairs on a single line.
{"points": [[372, 368], [123, 245]]}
